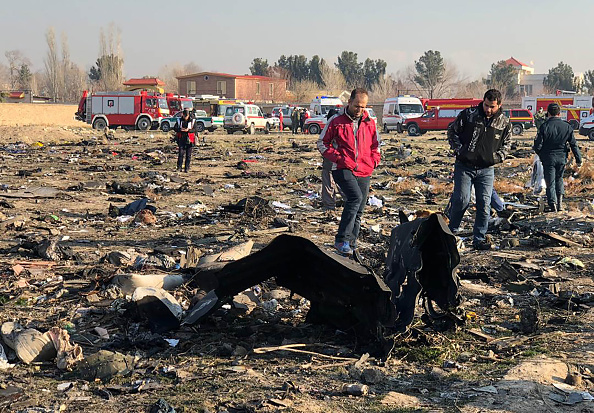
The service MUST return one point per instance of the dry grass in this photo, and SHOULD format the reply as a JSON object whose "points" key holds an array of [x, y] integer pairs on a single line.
{"points": [[507, 187], [440, 187]]}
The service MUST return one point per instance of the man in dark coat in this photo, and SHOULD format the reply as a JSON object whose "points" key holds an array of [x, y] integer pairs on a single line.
{"points": [[552, 144]]}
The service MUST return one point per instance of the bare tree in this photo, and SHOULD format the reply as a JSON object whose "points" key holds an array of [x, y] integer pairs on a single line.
{"points": [[17, 62], [472, 89], [304, 90], [4, 77], [333, 79], [107, 74], [170, 72], [53, 69], [386, 87]]}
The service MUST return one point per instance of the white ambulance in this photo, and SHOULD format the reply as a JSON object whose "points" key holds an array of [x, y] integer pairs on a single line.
{"points": [[321, 105], [399, 109]]}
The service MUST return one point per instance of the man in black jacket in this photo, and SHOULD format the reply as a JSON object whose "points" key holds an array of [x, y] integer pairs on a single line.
{"points": [[480, 138], [552, 143]]}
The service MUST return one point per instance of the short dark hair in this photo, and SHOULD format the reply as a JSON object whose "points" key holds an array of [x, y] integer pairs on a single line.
{"points": [[493, 95], [358, 91], [553, 109]]}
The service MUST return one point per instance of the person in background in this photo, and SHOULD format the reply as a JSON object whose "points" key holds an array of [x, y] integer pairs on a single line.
{"points": [[302, 117], [281, 126], [480, 138], [329, 188], [294, 120], [351, 142], [539, 118], [552, 144], [185, 138]]}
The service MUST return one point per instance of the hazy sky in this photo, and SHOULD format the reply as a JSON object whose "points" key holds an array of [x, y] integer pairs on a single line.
{"points": [[226, 35]]}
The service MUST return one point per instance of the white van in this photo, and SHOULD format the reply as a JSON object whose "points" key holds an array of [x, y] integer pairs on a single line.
{"points": [[321, 105], [399, 109]]}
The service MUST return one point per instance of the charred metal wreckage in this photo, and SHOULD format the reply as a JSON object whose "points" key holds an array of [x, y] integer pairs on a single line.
{"points": [[345, 294]]}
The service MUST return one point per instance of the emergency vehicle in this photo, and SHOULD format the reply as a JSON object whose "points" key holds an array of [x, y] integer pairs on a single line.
{"points": [[214, 107], [397, 110], [178, 103], [440, 113], [573, 108], [520, 119], [450, 103], [321, 105], [134, 109], [316, 124], [587, 127], [246, 118]]}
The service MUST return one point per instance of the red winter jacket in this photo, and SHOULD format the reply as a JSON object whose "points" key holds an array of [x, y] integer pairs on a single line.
{"points": [[338, 144]]}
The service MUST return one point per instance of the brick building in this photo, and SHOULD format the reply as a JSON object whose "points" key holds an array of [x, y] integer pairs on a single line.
{"points": [[242, 87]]}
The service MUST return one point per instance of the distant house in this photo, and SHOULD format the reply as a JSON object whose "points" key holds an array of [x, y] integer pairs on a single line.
{"points": [[529, 83], [242, 87]]}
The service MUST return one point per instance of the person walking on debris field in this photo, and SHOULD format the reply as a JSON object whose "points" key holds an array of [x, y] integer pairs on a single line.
{"points": [[185, 138], [351, 142], [539, 118], [552, 144], [480, 138], [294, 120], [329, 188]]}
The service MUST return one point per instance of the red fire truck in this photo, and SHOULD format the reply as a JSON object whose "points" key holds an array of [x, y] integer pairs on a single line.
{"points": [[449, 103], [573, 107], [138, 109], [177, 103]]}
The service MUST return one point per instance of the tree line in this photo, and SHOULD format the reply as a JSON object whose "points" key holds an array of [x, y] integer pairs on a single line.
{"points": [[431, 75]]}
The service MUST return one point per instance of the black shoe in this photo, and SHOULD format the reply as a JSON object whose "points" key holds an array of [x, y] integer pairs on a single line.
{"points": [[482, 246], [551, 208]]}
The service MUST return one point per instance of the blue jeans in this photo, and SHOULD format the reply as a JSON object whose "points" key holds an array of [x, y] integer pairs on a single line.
{"points": [[464, 178], [354, 190]]}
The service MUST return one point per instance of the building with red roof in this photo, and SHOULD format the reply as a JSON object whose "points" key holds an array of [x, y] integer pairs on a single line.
{"points": [[242, 87]]}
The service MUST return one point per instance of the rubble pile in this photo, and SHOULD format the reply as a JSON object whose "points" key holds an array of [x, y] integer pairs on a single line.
{"points": [[128, 287]]}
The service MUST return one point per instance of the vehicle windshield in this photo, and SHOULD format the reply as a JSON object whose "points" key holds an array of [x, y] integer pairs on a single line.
{"points": [[408, 108], [326, 108], [163, 103], [187, 104]]}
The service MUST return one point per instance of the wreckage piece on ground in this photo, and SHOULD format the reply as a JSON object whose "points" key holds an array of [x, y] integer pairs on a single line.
{"points": [[421, 262], [344, 293]]}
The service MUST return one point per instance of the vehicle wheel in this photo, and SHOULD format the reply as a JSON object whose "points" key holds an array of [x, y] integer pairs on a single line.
{"points": [[165, 126], [517, 129], [143, 124], [386, 130], [399, 128], [267, 129], [199, 126], [413, 129], [314, 129], [99, 124], [211, 129], [574, 124], [252, 129], [591, 135]]}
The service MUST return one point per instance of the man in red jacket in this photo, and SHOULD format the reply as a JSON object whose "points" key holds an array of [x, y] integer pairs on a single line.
{"points": [[351, 142]]}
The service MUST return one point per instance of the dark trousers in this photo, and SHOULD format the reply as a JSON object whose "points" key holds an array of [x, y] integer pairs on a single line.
{"points": [[354, 190], [181, 151], [553, 168], [294, 126]]}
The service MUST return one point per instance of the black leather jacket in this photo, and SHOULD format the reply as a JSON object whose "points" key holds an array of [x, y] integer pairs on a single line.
{"points": [[477, 141]]}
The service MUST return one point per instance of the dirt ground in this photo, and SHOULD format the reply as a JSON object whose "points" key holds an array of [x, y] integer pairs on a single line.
{"points": [[494, 363]]}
